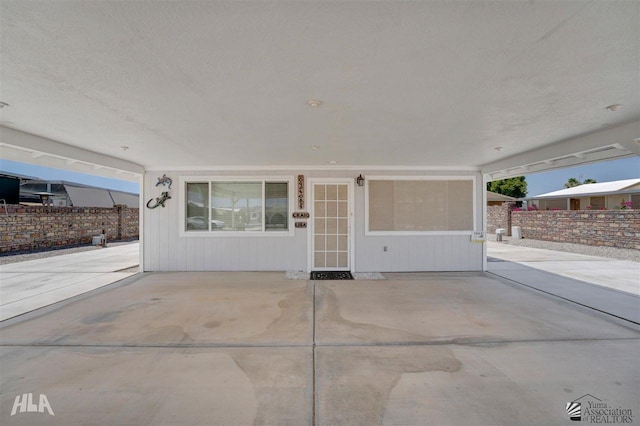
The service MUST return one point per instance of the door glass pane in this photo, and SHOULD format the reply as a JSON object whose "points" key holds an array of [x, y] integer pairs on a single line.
{"points": [[332, 209], [197, 217], [332, 192]]}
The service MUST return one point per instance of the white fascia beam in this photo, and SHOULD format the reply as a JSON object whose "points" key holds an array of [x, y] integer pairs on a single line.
{"points": [[44, 146], [555, 155]]}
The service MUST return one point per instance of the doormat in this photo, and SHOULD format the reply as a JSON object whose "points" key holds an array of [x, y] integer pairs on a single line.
{"points": [[331, 275]]}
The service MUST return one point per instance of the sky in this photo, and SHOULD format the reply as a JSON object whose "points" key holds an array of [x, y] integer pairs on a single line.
{"points": [[604, 171], [537, 183], [48, 173]]}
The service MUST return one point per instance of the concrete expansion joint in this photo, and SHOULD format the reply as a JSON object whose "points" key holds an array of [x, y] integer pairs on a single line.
{"points": [[320, 345]]}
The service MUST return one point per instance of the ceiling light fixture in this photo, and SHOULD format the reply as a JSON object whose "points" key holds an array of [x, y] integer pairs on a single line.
{"points": [[315, 147], [333, 162], [3, 104], [314, 103], [613, 107]]}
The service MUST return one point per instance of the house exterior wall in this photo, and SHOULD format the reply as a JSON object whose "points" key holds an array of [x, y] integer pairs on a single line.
{"points": [[38, 227], [166, 250], [611, 202], [612, 228]]}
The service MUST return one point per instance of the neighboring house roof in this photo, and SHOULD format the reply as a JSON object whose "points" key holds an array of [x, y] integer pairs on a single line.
{"points": [[589, 189], [131, 200], [89, 197], [494, 196], [17, 176], [81, 195]]}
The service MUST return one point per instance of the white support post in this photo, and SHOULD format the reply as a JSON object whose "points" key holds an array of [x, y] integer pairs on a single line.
{"points": [[141, 222], [485, 180]]}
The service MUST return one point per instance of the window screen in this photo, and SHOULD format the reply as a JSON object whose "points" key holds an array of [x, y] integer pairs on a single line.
{"points": [[420, 205], [197, 217], [276, 197]]}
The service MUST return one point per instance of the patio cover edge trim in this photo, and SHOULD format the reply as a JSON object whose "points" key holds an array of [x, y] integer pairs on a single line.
{"points": [[363, 168], [38, 144], [624, 138]]}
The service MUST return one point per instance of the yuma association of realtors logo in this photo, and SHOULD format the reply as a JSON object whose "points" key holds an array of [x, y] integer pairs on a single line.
{"points": [[25, 404], [590, 409]]}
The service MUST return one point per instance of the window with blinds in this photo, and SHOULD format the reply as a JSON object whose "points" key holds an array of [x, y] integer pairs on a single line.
{"points": [[420, 205]]}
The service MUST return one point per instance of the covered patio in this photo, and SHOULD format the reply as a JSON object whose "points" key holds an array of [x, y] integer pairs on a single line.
{"points": [[374, 128]]}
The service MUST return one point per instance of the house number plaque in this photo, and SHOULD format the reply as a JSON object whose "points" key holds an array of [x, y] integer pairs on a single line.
{"points": [[301, 192]]}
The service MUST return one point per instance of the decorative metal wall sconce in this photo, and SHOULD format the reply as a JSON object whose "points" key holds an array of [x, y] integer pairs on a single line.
{"points": [[159, 200], [164, 180], [360, 180]]}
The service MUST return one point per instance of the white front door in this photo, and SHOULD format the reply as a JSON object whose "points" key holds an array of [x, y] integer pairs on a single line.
{"points": [[331, 214]]}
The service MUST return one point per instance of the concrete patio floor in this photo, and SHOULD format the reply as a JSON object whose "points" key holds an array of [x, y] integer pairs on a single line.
{"points": [[33, 284], [606, 285], [255, 348]]}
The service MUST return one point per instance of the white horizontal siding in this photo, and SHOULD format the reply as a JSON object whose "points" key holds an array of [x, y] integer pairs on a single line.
{"points": [[165, 250]]}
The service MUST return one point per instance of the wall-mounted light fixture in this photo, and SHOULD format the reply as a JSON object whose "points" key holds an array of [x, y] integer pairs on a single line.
{"points": [[360, 180]]}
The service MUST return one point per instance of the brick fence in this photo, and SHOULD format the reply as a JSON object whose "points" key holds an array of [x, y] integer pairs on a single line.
{"points": [[612, 228], [499, 216], [30, 228]]}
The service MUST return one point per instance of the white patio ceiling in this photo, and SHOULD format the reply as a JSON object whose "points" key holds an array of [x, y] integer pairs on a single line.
{"points": [[213, 84]]}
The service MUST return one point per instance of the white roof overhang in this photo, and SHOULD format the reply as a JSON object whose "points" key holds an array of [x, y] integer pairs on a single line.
{"points": [[617, 142], [27, 148]]}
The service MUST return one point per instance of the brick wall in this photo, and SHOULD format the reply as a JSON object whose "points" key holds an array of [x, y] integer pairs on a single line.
{"points": [[499, 217], [613, 228], [38, 227]]}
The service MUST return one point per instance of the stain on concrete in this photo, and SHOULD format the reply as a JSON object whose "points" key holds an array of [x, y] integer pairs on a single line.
{"points": [[111, 316], [101, 317], [212, 324], [295, 308], [170, 334], [329, 317], [284, 372], [357, 382]]}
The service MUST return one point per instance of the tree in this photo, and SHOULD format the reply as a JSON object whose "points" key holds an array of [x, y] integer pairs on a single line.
{"points": [[575, 182], [515, 187], [572, 182]]}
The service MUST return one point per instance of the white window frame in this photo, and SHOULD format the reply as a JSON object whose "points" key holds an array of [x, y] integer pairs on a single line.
{"points": [[290, 232], [473, 179]]}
